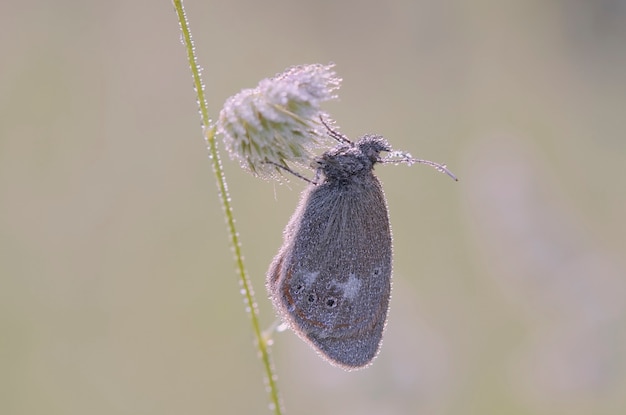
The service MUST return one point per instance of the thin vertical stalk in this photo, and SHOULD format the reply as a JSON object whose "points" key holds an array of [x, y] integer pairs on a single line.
{"points": [[209, 135]]}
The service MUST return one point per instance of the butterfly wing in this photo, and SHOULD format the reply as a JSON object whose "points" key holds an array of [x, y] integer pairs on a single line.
{"points": [[331, 279]]}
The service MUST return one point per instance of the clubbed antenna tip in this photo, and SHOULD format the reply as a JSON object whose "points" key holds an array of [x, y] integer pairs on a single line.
{"points": [[440, 167]]}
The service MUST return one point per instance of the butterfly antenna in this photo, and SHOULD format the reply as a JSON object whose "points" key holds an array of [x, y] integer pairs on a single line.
{"points": [[287, 169], [440, 167], [406, 158], [334, 133]]}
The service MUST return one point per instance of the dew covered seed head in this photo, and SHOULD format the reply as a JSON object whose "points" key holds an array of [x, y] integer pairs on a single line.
{"points": [[278, 122]]}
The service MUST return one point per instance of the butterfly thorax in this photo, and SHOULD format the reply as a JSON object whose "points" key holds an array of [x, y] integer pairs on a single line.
{"points": [[351, 161]]}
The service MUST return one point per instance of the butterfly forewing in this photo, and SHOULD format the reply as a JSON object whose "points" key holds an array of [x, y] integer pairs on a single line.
{"points": [[331, 279]]}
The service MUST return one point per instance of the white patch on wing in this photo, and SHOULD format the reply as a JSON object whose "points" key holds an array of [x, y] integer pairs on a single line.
{"points": [[309, 278], [351, 287]]}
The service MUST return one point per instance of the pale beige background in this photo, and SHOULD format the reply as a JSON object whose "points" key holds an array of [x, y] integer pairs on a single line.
{"points": [[117, 287]]}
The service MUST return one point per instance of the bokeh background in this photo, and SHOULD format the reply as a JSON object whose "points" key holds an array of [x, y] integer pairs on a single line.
{"points": [[118, 293]]}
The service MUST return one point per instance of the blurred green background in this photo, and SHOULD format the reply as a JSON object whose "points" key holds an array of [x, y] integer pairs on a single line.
{"points": [[118, 293]]}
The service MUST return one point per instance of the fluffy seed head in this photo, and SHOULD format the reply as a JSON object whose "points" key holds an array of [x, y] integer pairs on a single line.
{"points": [[278, 122]]}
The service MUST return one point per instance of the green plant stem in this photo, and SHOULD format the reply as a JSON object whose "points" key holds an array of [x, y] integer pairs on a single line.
{"points": [[209, 135]]}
